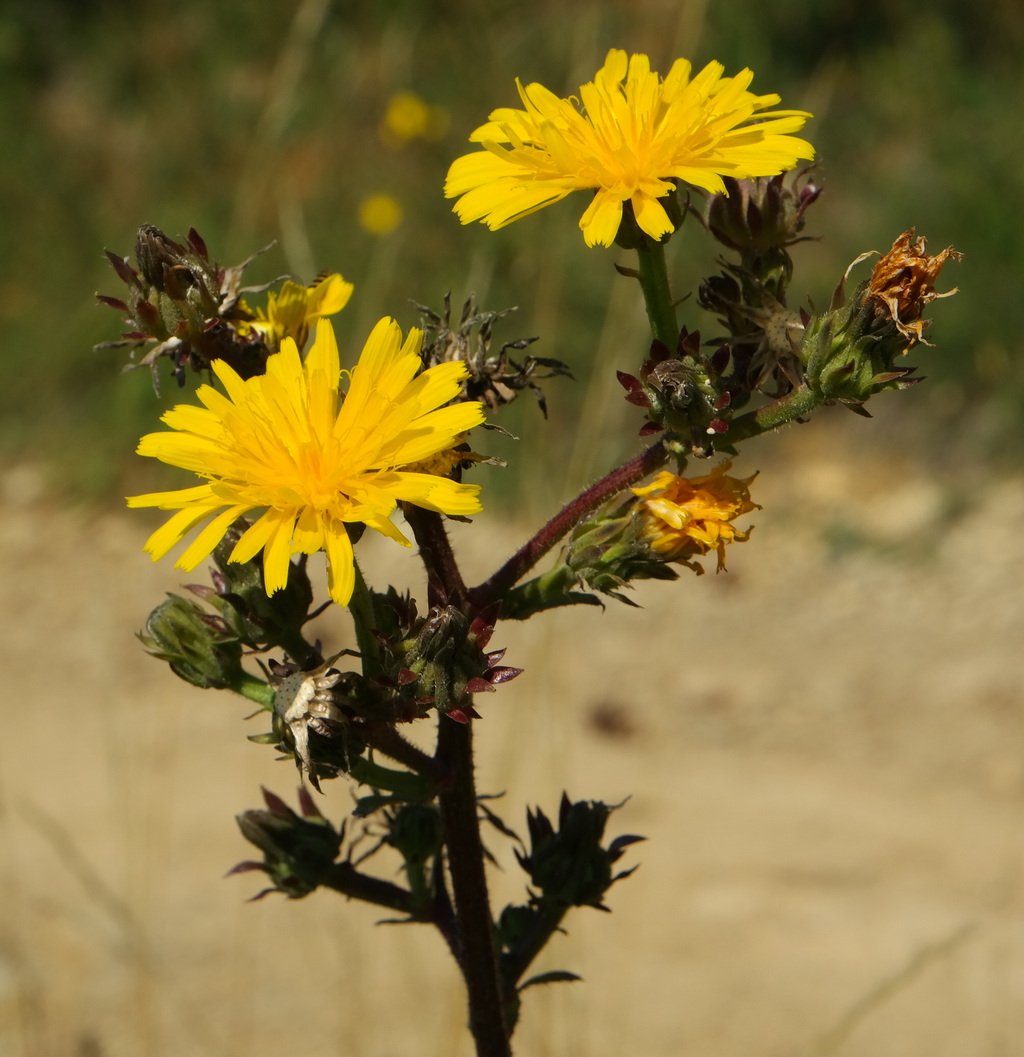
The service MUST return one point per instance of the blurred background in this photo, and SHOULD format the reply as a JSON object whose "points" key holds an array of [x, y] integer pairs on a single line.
{"points": [[832, 785]]}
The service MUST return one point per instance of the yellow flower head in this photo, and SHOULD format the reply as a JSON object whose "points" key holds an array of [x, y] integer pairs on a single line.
{"points": [[684, 517], [293, 310], [628, 137], [313, 458]]}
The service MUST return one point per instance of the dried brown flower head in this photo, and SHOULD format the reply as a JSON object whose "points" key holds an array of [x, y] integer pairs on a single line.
{"points": [[903, 282]]}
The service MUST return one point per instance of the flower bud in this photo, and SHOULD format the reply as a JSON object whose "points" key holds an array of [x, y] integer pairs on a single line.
{"points": [[681, 518], [682, 394], [306, 703], [298, 850], [673, 520], [568, 865], [495, 378], [759, 215], [188, 305], [198, 646], [260, 620], [607, 552], [448, 662]]}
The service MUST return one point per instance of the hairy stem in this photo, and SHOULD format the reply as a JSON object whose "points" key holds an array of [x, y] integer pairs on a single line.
{"points": [[343, 877], [444, 579], [477, 955], [653, 276], [534, 549], [792, 406]]}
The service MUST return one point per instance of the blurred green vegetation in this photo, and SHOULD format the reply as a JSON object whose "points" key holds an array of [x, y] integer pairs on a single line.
{"points": [[257, 122]]}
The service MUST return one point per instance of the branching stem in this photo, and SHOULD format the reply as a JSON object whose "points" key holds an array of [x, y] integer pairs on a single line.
{"points": [[534, 549]]}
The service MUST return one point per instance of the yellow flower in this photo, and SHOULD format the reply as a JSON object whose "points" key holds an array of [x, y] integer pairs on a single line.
{"points": [[295, 308], [312, 458], [630, 135], [684, 517]]}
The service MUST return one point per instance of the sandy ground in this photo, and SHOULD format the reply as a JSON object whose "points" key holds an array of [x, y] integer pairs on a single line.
{"points": [[824, 748]]}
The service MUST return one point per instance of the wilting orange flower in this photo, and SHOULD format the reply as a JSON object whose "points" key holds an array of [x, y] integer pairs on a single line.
{"points": [[687, 517], [903, 282]]}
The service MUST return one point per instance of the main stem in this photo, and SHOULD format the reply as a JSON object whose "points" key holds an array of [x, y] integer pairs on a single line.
{"points": [[477, 954], [479, 959]]}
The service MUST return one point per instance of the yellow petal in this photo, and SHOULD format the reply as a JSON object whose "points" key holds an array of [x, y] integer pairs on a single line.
{"points": [[174, 528], [341, 573], [277, 554], [181, 497], [202, 546]]}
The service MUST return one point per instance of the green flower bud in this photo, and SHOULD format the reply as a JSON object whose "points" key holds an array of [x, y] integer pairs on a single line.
{"points": [[569, 865], [198, 646], [449, 661], [260, 620], [298, 850]]}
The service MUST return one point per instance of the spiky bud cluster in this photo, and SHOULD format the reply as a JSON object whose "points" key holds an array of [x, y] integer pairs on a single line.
{"points": [[495, 378], [683, 393], [448, 661], [191, 307], [569, 865]]}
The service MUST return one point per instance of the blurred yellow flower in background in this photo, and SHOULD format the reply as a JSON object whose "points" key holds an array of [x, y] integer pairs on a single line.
{"points": [[628, 137], [380, 214], [408, 117], [685, 517], [313, 458]]}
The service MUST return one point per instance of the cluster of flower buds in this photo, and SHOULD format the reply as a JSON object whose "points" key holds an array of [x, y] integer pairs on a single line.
{"points": [[205, 648], [759, 219], [569, 866], [195, 312]]}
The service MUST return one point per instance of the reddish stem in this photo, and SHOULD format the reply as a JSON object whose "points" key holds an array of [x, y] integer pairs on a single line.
{"points": [[534, 549]]}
